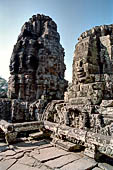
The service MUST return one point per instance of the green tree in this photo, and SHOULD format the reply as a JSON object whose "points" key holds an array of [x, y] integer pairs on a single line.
{"points": [[3, 87]]}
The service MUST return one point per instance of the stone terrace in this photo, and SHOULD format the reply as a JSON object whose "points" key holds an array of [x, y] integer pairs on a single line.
{"points": [[34, 155]]}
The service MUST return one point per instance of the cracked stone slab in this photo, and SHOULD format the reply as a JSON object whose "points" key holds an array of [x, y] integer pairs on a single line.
{"points": [[26, 167], [64, 160], [105, 166], [4, 165], [81, 164], [21, 166], [29, 145], [16, 156], [34, 152], [7, 153], [27, 160], [49, 153], [29, 163]]}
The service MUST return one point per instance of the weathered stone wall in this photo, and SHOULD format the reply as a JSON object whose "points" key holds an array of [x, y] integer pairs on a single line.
{"points": [[5, 109], [37, 62], [87, 109], [89, 99]]}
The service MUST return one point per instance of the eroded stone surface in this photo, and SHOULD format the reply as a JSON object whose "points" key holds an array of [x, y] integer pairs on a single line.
{"points": [[37, 71], [37, 62], [5, 109]]}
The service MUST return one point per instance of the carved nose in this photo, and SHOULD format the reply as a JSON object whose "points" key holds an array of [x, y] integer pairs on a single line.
{"points": [[80, 69]]}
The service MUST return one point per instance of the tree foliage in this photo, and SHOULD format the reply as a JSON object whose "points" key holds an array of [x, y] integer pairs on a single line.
{"points": [[3, 87]]}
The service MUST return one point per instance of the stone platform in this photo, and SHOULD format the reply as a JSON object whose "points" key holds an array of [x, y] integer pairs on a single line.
{"points": [[34, 155]]}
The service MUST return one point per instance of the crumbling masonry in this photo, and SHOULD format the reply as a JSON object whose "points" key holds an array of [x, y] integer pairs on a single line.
{"points": [[82, 115]]}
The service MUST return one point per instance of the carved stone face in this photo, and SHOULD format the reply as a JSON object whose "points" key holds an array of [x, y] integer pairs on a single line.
{"points": [[81, 70]]}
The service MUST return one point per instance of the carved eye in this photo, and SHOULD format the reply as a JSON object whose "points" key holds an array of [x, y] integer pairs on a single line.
{"points": [[81, 63]]}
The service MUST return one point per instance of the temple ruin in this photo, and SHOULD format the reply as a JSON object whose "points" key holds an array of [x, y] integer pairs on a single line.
{"points": [[37, 62], [37, 69], [88, 102], [74, 116]]}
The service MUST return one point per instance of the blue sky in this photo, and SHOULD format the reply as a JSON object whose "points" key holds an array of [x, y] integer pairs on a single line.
{"points": [[72, 17]]}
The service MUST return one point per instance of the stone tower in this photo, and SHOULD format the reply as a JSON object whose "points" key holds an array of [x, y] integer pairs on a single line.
{"points": [[37, 62], [92, 79]]}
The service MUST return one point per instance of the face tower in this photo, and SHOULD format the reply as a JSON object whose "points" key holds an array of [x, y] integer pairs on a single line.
{"points": [[37, 62], [92, 79]]}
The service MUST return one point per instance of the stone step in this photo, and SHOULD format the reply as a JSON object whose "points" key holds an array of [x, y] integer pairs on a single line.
{"points": [[65, 145], [11, 130], [36, 135]]}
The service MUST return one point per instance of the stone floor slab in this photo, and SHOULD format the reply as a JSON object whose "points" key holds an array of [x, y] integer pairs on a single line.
{"points": [[35, 155], [49, 153], [61, 161], [29, 163], [24, 167], [29, 145], [16, 156], [105, 166], [7, 153], [27, 160], [81, 164], [4, 165]]}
